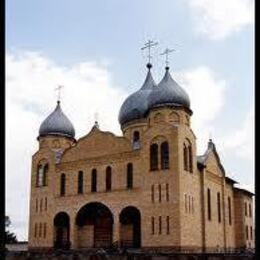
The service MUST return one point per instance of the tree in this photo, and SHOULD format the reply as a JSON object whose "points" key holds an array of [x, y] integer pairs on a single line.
{"points": [[10, 238]]}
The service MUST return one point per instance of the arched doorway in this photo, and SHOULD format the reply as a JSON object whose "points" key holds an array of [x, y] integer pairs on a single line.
{"points": [[130, 227], [95, 225], [62, 231]]}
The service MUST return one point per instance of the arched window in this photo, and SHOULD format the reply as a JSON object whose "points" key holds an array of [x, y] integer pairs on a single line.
{"points": [[164, 155], [190, 158], [45, 172], [129, 184], [108, 178], [154, 157], [62, 184], [80, 182], [41, 176], [136, 140], [94, 180], [185, 157]]}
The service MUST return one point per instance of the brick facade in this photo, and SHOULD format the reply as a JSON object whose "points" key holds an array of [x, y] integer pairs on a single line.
{"points": [[173, 203]]}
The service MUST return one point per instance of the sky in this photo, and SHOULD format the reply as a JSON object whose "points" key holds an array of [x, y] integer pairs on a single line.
{"points": [[93, 49]]}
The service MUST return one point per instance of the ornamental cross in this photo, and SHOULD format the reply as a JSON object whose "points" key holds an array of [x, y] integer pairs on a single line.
{"points": [[149, 45], [166, 53], [59, 91]]}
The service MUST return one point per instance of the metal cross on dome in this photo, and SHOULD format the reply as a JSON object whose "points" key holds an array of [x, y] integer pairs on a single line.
{"points": [[59, 91], [166, 53], [149, 45]]}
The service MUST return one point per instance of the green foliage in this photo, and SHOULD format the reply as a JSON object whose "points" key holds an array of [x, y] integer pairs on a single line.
{"points": [[10, 238]]}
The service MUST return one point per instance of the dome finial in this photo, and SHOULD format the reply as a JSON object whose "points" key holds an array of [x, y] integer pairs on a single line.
{"points": [[166, 53], [59, 92], [149, 45]]}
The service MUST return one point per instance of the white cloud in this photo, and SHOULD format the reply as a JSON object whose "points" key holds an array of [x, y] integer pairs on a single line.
{"points": [[30, 82], [207, 95], [241, 141], [218, 19]]}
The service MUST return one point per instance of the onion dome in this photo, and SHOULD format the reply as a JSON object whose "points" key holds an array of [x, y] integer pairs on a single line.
{"points": [[168, 93], [136, 105], [57, 124]]}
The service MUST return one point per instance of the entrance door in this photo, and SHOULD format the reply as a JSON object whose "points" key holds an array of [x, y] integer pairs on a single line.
{"points": [[103, 232]]}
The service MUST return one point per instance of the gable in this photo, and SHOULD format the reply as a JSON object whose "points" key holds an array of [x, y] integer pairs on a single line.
{"points": [[213, 164], [96, 144]]}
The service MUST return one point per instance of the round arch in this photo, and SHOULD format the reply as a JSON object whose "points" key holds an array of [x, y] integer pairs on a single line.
{"points": [[61, 224], [130, 227], [95, 225]]}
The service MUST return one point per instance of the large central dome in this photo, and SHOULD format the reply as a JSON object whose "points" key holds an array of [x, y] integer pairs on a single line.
{"points": [[168, 92], [136, 105]]}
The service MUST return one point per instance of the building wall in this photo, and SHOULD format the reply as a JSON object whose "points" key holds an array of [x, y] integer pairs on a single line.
{"points": [[99, 149]]}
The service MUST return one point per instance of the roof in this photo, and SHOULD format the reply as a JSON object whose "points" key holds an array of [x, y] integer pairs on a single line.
{"points": [[168, 92], [58, 124], [136, 105], [246, 192]]}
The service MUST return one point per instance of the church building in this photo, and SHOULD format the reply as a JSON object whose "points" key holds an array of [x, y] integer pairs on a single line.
{"points": [[145, 189]]}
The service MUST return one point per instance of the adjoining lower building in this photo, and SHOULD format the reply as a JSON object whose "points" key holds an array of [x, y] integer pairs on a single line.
{"points": [[145, 189]]}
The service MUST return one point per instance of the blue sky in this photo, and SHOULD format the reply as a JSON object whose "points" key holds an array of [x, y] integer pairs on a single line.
{"points": [[215, 36]]}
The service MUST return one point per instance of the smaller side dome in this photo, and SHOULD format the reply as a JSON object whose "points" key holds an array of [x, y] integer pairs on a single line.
{"points": [[57, 123], [136, 105], [168, 92]]}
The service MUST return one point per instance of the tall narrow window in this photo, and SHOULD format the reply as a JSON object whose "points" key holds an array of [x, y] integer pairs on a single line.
{"points": [[152, 193], [160, 192], [44, 230], [250, 210], [185, 157], [154, 157], [129, 184], [189, 203], [41, 205], [62, 184], [168, 225], [167, 192], [108, 178], [245, 209], [136, 140], [36, 206], [246, 232], [45, 174], [190, 159], [192, 204], [39, 176], [80, 182], [165, 155], [219, 207], [35, 230], [229, 211], [251, 233], [152, 225], [186, 204], [209, 204], [160, 225], [94, 180], [45, 204], [40, 230]]}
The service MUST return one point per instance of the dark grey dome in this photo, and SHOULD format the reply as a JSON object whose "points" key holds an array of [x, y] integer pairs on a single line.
{"points": [[168, 92], [57, 123], [136, 105]]}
